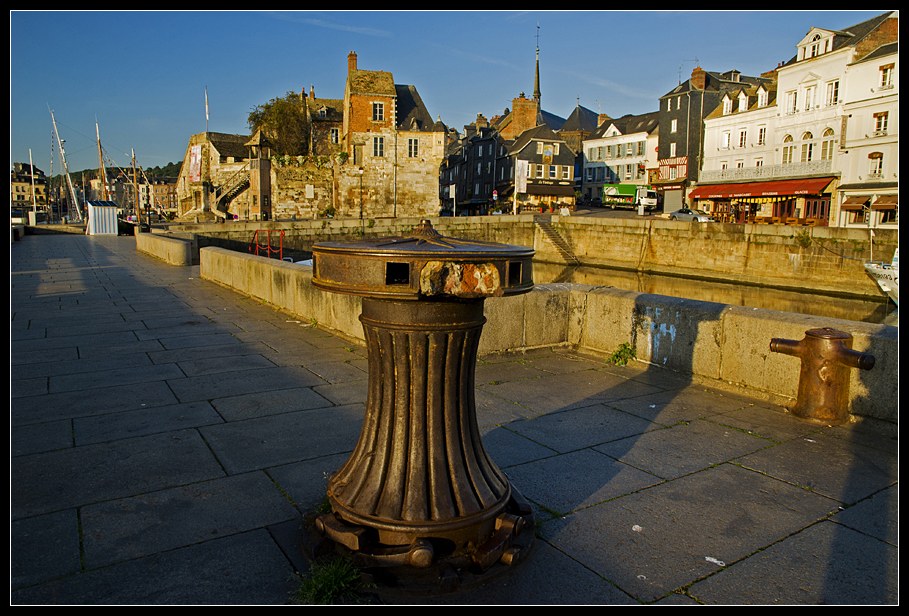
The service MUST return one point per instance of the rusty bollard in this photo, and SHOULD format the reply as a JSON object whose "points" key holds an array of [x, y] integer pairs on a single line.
{"points": [[419, 492], [826, 355]]}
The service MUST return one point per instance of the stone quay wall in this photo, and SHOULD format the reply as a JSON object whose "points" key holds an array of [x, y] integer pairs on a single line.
{"points": [[722, 346], [814, 259]]}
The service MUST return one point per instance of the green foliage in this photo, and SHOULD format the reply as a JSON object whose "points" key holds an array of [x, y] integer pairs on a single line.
{"points": [[803, 238], [622, 355], [330, 582], [283, 120]]}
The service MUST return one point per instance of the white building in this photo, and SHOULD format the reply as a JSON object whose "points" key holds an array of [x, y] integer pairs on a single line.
{"points": [[782, 158], [869, 152], [620, 151]]}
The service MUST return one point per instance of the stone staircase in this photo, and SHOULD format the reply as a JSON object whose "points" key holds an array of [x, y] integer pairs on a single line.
{"points": [[544, 223]]}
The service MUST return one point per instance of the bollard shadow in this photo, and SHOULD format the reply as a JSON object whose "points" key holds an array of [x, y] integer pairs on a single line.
{"points": [[667, 491]]}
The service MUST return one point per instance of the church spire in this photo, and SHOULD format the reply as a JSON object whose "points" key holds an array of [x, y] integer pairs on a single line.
{"points": [[536, 79]]}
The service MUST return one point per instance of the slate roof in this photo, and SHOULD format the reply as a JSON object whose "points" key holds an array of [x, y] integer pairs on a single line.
{"points": [[853, 34], [334, 108], [751, 93], [412, 113], [230, 145], [542, 132], [627, 124], [719, 82], [581, 119], [883, 50]]}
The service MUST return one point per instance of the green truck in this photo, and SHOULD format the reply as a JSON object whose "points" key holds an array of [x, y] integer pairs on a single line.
{"points": [[630, 196]]}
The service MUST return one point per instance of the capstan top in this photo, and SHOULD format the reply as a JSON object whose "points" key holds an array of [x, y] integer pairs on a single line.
{"points": [[422, 265]]}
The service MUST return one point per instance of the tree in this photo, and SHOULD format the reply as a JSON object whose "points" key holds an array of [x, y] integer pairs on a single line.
{"points": [[284, 121]]}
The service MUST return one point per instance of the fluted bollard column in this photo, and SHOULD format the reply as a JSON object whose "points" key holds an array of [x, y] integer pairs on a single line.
{"points": [[419, 491]]}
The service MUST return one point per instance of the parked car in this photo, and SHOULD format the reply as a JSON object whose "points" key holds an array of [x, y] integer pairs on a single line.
{"points": [[691, 215]]}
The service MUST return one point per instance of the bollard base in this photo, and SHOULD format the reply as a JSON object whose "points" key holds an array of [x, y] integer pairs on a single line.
{"points": [[426, 567]]}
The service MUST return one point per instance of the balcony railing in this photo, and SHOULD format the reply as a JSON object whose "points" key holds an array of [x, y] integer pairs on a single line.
{"points": [[767, 172]]}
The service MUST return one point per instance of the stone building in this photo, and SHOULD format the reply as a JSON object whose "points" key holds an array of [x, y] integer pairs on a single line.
{"points": [[373, 153]]}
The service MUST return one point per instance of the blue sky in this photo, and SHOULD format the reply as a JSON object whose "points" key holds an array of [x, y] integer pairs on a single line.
{"points": [[143, 75]]}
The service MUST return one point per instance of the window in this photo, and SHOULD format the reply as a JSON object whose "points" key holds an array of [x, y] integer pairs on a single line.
{"points": [[740, 164], [539, 147], [876, 169], [807, 147], [886, 76], [589, 171], [673, 173], [743, 138], [413, 148], [539, 170], [880, 123], [762, 135], [629, 170], [743, 102], [489, 150], [378, 146], [378, 112], [566, 172], [479, 168], [640, 149], [674, 126], [809, 98], [791, 101], [727, 105], [724, 165], [322, 112], [724, 144], [827, 141], [678, 102], [671, 150], [814, 48], [552, 172], [833, 92], [759, 162], [480, 150], [788, 149], [668, 104], [608, 151], [335, 135], [762, 98]]}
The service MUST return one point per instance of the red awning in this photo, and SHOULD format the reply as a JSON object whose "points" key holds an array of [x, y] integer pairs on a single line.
{"points": [[855, 203], [885, 202], [780, 188]]}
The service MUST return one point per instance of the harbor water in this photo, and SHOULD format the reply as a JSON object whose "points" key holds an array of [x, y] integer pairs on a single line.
{"points": [[883, 311]]}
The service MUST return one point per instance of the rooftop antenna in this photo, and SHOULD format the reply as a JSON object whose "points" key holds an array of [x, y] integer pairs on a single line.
{"points": [[696, 63]]}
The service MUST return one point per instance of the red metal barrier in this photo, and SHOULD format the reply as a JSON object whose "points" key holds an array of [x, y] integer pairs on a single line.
{"points": [[266, 249]]}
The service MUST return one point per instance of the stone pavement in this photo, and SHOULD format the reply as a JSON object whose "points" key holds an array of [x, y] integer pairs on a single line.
{"points": [[167, 437]]}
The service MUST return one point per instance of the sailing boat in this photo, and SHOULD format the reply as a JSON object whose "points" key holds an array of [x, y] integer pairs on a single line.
{"points": [[75, 211]]}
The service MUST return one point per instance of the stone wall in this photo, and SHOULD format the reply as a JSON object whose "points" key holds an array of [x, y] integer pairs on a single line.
{"points": [[726, 347], [824, 259]]}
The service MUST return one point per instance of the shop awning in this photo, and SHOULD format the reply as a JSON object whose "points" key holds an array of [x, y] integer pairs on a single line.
{"points": [[854, 203], [885, 202], [555, 190], [779, 188]]}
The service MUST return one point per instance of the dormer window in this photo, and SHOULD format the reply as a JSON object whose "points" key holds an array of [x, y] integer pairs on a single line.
{"points": [[743, 102], [727, 105], [814, 47], [322, 113], [762, 98]]}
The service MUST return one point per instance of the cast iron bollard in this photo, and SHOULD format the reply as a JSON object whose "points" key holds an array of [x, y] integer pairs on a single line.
{"points": [[826, 356], [419, 490]]}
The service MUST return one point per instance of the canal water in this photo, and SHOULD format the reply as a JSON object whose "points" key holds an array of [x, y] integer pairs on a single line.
{"points": [[817, 304]]}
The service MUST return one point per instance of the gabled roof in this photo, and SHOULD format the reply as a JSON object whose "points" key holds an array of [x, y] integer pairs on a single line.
{"points": [[628, 124], [718, 82], [334, 108], [581, 119], [412, 113], [229, 145], [538, 133], [852, 35], [752, 94]]}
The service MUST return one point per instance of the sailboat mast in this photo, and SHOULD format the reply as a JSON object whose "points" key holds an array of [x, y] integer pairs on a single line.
{"points": [[69, 180], [102, 172], [136, 187]]}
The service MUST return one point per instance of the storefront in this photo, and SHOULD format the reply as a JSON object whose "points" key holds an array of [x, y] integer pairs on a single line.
{"points": [[794, 202], [869, 209]]}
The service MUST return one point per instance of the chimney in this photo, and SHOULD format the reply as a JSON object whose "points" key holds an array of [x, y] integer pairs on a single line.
{"points": [[312, 92], [351, 61], [698, 78], [482, 122], [602, 118]]}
